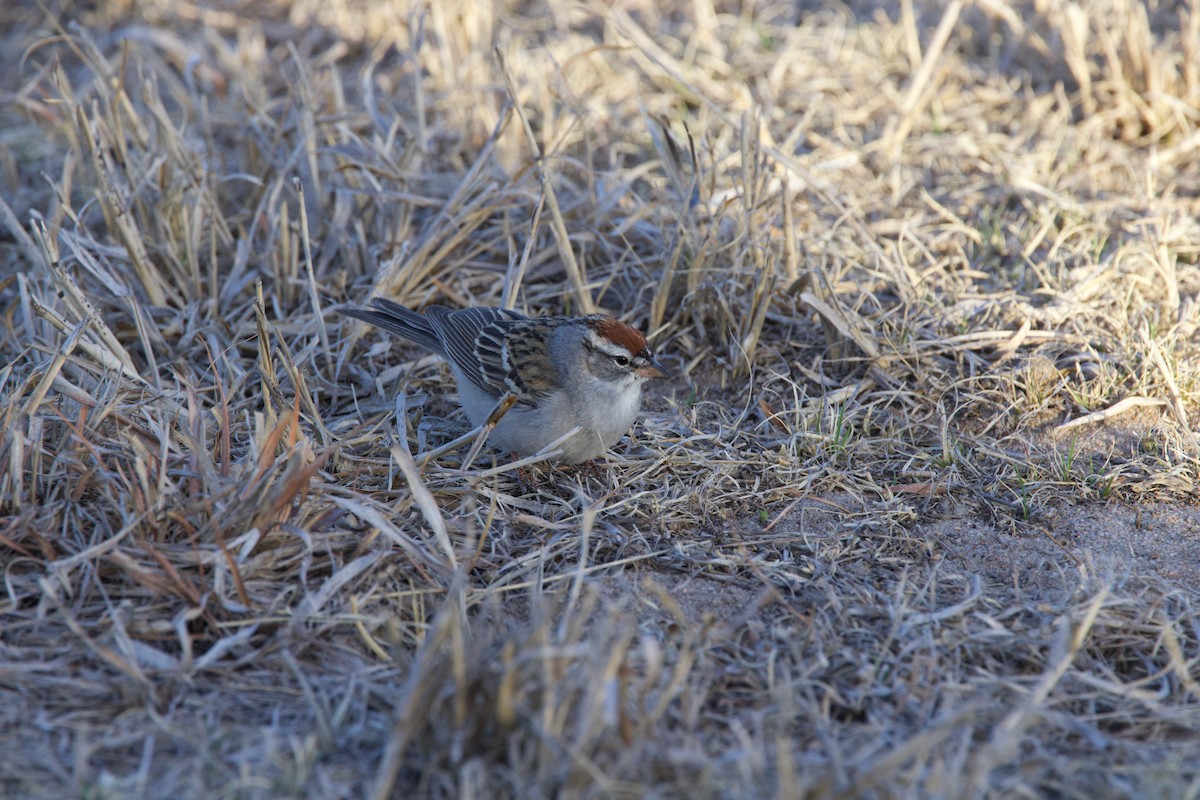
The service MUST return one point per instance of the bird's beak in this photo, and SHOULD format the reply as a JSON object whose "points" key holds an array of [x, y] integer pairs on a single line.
{"points": [[653, 370]]}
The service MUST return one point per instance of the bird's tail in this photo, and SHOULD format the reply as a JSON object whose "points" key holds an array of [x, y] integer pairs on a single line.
{"points": [[399, 320]]}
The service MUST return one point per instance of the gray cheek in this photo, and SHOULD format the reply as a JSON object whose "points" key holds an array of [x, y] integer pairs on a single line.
{"points": [[603, 368]]}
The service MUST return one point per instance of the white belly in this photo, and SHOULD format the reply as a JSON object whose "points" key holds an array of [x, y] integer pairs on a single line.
{"points": [[602, 421]]}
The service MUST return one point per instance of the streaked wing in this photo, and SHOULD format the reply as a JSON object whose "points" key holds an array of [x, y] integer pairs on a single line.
{"points": [[529, 366], [474, 341]]}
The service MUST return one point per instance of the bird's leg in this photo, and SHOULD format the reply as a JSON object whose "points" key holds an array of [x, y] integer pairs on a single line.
{"points": [[525, 482], [592, 469]]}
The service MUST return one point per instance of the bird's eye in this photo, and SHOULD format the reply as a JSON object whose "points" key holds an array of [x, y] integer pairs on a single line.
{"points": [[622, 361]]}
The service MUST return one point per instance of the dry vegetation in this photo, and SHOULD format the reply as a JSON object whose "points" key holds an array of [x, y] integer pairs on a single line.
{"points": [[916, 519]]}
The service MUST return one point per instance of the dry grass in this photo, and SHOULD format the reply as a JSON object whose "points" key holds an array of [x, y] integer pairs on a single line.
{"points": [[897, 258]]}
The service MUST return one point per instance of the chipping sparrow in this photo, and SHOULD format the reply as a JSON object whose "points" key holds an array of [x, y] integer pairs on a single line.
{"points": [[564, 371]]}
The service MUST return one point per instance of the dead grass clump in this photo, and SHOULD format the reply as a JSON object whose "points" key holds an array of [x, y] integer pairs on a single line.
{"points": [[929, 294]]}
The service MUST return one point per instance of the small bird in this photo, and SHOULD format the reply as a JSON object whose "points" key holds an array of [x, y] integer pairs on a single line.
{"points": [[564, 371]]}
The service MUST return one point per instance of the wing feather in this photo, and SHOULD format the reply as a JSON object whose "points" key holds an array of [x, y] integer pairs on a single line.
{"points": [[474, 341]]}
